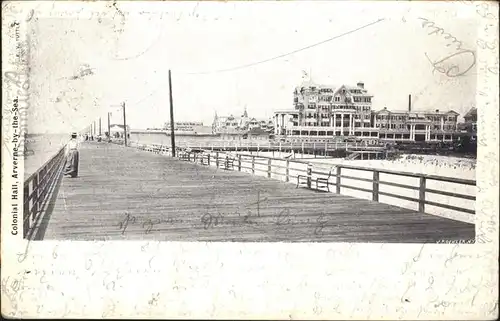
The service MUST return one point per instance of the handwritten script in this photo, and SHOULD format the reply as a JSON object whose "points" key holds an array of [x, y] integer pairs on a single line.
{"points": [[459, 63]]}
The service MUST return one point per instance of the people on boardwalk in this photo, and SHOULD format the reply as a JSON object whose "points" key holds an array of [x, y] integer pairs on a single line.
{"points": [[72, 157]]}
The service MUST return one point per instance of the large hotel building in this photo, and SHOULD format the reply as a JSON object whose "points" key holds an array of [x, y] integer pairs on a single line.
{"points": [[326, 112]]}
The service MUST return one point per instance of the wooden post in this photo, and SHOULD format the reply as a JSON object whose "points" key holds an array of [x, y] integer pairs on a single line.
{"points": [[172, 124], [421, 196], [217, 159], [124, 126], [309, 174], [239, 163], [109, 125], [100, 133], [253, 164], [302, 149], [375, 185], [208, 159], [337, 185], [36, 190], [26, 221], [268, 168], [287, 173]]}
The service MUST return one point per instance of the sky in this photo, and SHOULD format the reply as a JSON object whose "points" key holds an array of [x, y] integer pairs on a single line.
{"points": [[130, 56]]}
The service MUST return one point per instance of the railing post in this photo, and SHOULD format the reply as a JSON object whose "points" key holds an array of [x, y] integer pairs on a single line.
{"points": [[287, 173], [302, 149], [217, 159], [337, 184], [268, 168], [26, 210], [421, 196], [239, 163], [35, 196], [253, 164], [375, 186], [208, 159], [336, 145], [227, 162], [309, 174]]}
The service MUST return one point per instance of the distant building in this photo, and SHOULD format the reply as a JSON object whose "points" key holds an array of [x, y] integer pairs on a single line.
{"points": [[187, 126], [471, 120], [325, 111], [243, 123], [118, 130], [415, 125]]}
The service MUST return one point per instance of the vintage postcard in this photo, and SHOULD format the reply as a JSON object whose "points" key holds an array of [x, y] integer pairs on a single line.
{"points": [[250, 160]]}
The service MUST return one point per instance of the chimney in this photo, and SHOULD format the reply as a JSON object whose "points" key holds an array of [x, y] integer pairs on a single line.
{"points": [[361, 85], [409, 103]]}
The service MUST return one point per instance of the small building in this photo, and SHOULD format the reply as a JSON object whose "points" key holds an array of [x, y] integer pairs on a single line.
{"points": [[471, 120], [117, 130]]}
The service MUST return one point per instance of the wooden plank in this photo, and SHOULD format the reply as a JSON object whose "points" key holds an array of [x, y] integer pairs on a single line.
{"points": [[124, 193]]}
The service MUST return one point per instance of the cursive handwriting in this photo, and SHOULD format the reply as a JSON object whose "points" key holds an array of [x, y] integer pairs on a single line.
{"points": [[450, 65], [147, 224]]}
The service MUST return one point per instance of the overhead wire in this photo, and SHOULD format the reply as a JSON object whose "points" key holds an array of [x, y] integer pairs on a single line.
{"points": [[266, 60]]}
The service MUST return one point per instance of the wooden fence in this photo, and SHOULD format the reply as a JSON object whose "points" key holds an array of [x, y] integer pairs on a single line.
{"points": [[269, 145], [306, 174], [37, 190]]}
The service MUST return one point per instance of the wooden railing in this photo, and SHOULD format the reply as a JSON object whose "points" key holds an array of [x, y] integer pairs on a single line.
{"points": [[244, 144], [37, 190], [269, 167]]}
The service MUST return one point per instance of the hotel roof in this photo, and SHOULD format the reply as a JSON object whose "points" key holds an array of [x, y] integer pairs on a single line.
{"points": [[334, 88], [471, 112], [417, 111]]}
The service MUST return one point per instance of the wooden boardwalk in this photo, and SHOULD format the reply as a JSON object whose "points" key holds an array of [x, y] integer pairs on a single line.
{"points": [[126, 194]]}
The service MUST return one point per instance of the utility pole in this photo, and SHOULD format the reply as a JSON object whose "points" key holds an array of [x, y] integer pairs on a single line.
{"points": [[109, 125], [172, 125], [100, 126], [124, 124]]}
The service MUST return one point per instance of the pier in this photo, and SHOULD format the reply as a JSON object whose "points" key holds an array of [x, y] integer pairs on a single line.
{"points": [[142, 193], [315, 149]]}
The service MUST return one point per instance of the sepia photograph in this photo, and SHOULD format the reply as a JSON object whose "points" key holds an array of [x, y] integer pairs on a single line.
{"points": [[304, 125]]}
